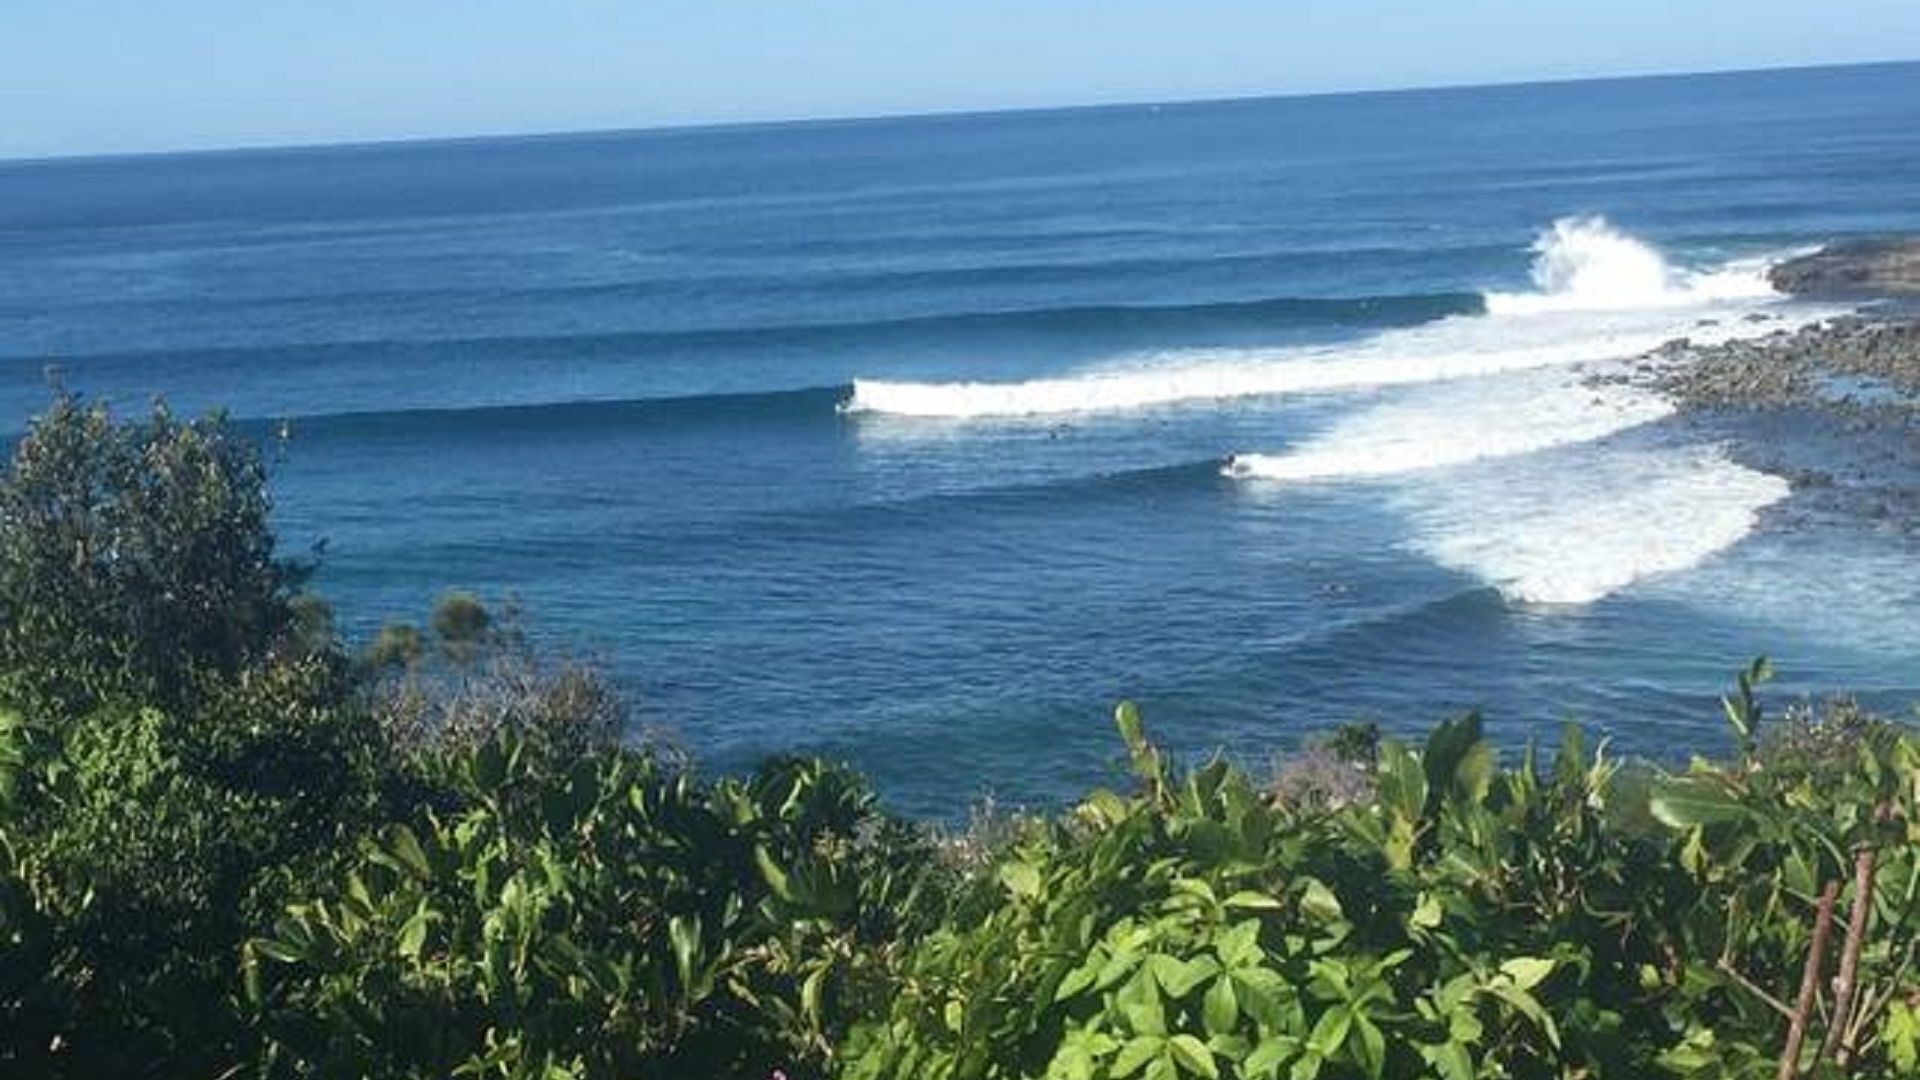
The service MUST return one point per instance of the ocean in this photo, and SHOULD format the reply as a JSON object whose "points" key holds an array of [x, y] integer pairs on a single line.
{"points": [[921, 442]]}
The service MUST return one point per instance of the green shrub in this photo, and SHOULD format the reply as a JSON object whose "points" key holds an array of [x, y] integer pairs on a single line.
{"points": [[604, 915], [1468, 921]]}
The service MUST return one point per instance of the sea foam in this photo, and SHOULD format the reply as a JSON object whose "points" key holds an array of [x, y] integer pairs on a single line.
{"points": [[1601, 295], [1456, 423], [1575, 531]]}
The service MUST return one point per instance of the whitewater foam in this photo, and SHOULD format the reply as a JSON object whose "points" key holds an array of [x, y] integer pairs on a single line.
{"points": [[1586, 264], [1569, 531], [1602, 295], [1457, 423]]}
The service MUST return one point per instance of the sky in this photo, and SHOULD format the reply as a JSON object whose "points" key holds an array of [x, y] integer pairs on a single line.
{"points": [[115, 76]]}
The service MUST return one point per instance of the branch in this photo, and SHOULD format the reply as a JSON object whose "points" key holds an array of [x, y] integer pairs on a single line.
{"points": [[1843, 985], [1726, 967], [1809, 984]]}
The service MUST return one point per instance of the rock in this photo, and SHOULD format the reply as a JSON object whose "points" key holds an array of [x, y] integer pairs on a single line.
{"points": [[1855, 269]]}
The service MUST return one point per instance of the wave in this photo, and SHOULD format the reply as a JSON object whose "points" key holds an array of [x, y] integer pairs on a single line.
{"points": [[488, 419], [1574, 532], [1586, 264], [1069, 320], [1456, 424], [1600, 294], [1455, 348], [1603, 296]]}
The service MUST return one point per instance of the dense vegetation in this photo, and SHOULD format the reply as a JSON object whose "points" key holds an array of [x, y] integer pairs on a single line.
{"points": [[232, 846]]}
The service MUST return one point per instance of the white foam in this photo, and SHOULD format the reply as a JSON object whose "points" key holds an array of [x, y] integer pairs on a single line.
{"points": [[1603, 295], [1573, 529], [1586, 264], [1456, 423]]}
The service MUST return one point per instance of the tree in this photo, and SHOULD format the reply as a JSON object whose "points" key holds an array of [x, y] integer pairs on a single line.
{"points": [[136, 559]]}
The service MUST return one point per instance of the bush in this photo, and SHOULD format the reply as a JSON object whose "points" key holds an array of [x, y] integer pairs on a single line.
{"points": [[1466, 921], [475, 676], [613, 917]]}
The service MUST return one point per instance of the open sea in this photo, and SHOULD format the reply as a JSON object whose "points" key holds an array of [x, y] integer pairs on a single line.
{"points": [[920, 442]]}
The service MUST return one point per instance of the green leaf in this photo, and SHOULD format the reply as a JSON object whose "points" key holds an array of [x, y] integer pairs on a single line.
{"points": [[1330, 1031], [1193, 1055], [406, 851], [1136, 1053], [1527, 972], [277, 950], [1688, 802], [1178, 977], [1273, 1052], [1221, 1010], [1528, 1005], [683, 933], [1370, 1049], [1022, 879], [1450, 1060], [413, 935], [775, 877], [1318, 903], [1126, 716]]}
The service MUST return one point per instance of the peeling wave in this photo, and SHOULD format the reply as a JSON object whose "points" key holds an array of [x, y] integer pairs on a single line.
{"points": [[1602, 295]]}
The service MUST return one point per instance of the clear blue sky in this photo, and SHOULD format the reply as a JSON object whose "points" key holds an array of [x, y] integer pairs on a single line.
{"points": [[91, 76]]}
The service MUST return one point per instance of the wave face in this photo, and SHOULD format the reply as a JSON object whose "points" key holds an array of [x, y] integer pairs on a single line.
{"points": [[1455, 424], [1574, 531], [1602, 295]]}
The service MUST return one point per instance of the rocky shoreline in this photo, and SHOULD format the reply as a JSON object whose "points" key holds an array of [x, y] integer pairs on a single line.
{"points": [[1833, 406], [1851, 364]]}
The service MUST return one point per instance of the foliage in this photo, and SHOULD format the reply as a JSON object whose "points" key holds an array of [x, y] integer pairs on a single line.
{"points": [[144, 845], [473, 675], [1467, 921], [608, 917], [135, 560]]}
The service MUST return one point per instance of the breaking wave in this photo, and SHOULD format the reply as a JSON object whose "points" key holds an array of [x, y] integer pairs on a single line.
{"points": [[1586, 264], [1455, 424], [1601, 295]]}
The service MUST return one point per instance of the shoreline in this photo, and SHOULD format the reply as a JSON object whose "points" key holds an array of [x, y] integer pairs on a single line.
{"points": [[1832, 406]]}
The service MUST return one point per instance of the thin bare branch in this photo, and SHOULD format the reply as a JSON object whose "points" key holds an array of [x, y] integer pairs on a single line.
{"points": [[1809, 983]]}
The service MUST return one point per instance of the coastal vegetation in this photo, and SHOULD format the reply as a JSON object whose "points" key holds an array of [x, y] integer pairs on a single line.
{"points": [[233, 845]]}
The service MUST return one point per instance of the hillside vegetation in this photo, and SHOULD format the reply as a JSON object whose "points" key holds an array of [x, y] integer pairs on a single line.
{"points": [[232, 845]]}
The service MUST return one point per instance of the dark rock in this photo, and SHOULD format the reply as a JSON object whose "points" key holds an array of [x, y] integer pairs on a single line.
{"points": [[1856, 269]]}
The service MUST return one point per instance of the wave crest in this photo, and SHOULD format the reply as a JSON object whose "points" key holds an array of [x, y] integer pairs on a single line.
{"points": [[1602, 295], [1586, 264]]}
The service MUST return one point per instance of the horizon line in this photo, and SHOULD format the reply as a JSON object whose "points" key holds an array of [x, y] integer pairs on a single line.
{"points": [[697, 126]]}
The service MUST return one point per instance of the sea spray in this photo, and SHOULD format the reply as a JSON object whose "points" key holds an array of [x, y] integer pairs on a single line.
{"points": [[1587, 264]]}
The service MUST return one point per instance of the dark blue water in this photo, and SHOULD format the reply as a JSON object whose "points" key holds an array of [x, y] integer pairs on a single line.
{"points": [[614, 376]]}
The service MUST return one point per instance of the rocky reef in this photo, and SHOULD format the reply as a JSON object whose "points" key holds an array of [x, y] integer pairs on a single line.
{"points": [[1887, 266], [1834, 406], [1848, 364]]}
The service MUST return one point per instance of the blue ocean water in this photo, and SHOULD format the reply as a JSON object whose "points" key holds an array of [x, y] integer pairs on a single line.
{"points": [[922, 441]]}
